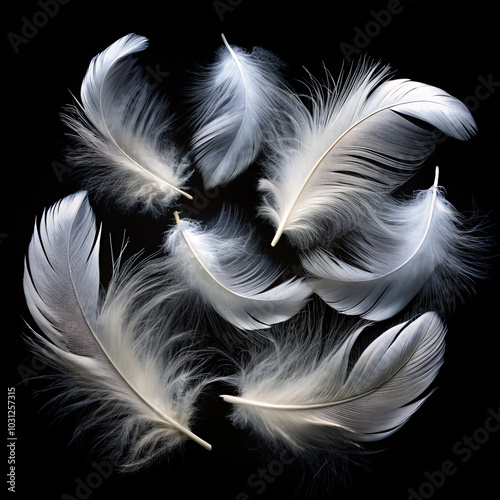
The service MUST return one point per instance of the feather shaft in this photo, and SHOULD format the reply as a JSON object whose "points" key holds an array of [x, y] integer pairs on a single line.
{"points": [[242, 401]]}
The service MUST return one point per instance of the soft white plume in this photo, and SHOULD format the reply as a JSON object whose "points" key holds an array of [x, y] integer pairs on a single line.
{"points": [[124, 150], [235, 101], [305, 392], [404, 247], [118, 353], [224, 268], [359, 141]]}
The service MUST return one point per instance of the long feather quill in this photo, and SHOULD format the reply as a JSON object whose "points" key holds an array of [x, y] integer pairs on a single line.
{"points": [[235, 101], [301, 392], [362, 139], [117, 353], [406, 247], [124, 150], [223, 268]]}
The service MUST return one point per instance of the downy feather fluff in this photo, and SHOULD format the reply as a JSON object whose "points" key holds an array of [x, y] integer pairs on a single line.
{"points": [[235, 99], [359, 141], [223, 268], [404, 247], [303, 391], [122, 127], [117, 353]]}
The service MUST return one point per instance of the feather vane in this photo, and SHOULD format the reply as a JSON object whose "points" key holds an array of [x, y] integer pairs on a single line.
{"points": [[407, 247], [312, 400], [356, 144], [123, 129], [236, 99], [112, 350], [223, 266]]}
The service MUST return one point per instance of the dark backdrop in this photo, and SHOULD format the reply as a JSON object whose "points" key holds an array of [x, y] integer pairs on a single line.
{"points": [[452, 45]]}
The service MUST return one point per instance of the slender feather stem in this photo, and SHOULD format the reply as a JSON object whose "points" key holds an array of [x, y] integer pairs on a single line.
{"points": [[260, 404]]}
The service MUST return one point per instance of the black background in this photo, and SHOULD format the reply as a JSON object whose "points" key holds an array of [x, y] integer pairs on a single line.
{"points": [[452, 45]]}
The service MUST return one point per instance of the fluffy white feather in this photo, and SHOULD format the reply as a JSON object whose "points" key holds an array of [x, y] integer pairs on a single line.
{"points": [[300, 391], [235, 101], [356, 144], [223, 267], [122, 128], [116, 353], [405, 247]]}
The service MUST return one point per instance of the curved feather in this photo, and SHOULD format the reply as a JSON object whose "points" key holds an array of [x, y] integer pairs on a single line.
{"points": [[122, 126], [115, 350], [356, 144], [235, 101], [312, 400], [406, 247], [224, 267]]}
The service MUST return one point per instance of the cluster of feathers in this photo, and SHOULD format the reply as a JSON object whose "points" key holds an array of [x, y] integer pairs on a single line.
{"points": [[330, 165]]}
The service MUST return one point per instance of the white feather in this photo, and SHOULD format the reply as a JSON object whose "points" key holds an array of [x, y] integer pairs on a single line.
{"points": [[117, 354], [235, 101], [356, 144], [405, 247], [123, 150], [300, 392], [223, 267]]}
